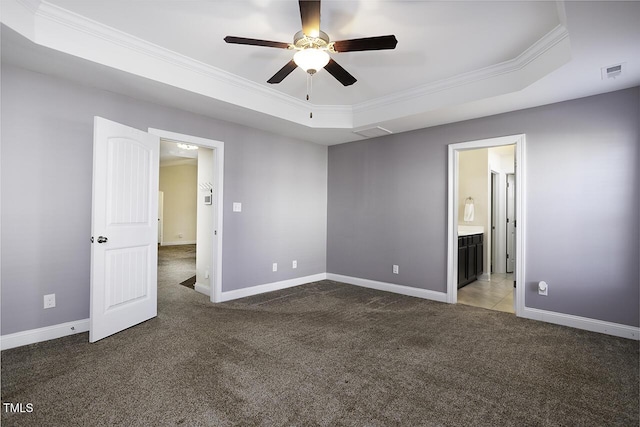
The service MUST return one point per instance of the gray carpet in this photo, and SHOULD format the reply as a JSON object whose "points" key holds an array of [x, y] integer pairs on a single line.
{"points": [[324, 353]]}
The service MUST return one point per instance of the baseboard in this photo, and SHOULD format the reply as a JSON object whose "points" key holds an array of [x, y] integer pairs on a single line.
{"points": [[269, 287], [43, 334], [390, 287], [593, 325], [485, 277], [178, 243], [203, 289]]}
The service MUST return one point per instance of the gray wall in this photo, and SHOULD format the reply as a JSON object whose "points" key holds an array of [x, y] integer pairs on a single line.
{"points": [[388, 204], [46, 172]]}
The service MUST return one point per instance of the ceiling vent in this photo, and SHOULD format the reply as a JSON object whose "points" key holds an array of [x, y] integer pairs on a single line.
{"points": [[612, 71], [373, 132]]}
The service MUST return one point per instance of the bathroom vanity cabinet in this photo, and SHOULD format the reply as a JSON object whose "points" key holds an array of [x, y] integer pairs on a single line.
{"points": [[470, 258]]}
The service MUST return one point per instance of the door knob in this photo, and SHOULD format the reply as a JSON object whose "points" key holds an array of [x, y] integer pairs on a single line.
{"points": [[102, 239]]}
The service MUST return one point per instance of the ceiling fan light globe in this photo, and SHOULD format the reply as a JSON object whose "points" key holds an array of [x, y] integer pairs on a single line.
{"points": [[311, 59]]}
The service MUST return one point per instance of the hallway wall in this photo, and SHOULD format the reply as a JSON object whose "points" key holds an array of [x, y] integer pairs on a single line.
{"points": [[179, 184]]}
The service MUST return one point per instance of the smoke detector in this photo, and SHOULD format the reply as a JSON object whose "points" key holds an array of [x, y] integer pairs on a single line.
{"points": [[612, 71]]}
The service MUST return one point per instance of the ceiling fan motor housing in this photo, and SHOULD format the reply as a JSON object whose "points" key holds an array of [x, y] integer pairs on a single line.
{"points": [[303, 41]]}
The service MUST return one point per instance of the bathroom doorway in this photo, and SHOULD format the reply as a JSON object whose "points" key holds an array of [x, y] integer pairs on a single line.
{"points": [[483, 236]]}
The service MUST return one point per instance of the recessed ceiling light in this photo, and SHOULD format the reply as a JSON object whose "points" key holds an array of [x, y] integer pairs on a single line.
{"points": [[187, 146]]}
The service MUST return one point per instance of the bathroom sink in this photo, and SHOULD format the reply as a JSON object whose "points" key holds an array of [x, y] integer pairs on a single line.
{"points": [[466, 230]]}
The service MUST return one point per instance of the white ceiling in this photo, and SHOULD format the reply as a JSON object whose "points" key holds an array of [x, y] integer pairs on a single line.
{"points": [[171, 154], [454, 60]]}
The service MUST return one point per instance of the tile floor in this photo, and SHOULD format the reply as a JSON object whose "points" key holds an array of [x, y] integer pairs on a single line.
{"points": [[496, 294]]}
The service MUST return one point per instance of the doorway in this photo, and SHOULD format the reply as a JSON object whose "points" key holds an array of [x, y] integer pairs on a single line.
{"points": [[179, 209], [494, 265], [210, 182]]}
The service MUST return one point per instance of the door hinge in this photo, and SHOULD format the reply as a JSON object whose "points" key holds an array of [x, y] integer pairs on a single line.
{"points": [[507, 220], [507, 256], [91, 239], [215, 232]]}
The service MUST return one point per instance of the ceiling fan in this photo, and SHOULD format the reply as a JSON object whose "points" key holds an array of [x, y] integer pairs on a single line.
{"points": [[313, 46]]}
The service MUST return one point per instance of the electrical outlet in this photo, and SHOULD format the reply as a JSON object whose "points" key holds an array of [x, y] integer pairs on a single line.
{"points": [[50, 301], [543, 288], [275, 266], [206, 274], [396, 269], [294, 264]]}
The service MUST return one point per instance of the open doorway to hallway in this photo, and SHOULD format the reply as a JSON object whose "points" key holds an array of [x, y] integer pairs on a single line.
{"points": [[185, 215]]}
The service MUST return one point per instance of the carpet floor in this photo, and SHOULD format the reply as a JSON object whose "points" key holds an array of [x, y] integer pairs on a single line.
{"points": [[324, 353]]}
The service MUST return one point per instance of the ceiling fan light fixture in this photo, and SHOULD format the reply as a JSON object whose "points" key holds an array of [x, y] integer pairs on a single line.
{"points": [[311, 60]]}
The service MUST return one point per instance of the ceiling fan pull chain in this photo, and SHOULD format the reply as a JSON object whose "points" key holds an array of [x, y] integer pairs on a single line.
{"points": [[309, 91]]}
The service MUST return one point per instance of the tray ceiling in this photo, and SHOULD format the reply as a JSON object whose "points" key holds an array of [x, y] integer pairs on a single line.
{"points": [[454, 60]]}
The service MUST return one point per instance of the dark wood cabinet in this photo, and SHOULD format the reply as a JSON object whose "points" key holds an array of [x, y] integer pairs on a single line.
{"points": [[470, 258]]}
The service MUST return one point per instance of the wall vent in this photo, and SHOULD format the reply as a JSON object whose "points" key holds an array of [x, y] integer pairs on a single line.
{"points": [[373, 132], [612, 71]]}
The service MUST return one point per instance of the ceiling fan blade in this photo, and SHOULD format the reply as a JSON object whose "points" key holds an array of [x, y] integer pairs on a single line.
{"points": [[310, 16], [340, 73], [284, 72], [255, 42], [367, 43]]}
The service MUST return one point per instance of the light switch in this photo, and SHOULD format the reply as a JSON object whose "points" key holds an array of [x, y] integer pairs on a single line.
{"points": [[237, 207]]}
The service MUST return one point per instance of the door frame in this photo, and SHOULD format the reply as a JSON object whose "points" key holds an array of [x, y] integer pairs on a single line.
{"points": [[507, 225], [215, 280], [493, 233], [520, 205], [160, 217]]}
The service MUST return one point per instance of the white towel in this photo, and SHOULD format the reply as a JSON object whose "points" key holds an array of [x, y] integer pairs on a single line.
{"points": [[468, 211]]}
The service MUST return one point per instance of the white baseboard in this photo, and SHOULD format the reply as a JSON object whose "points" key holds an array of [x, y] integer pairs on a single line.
{"points": [[269, 287], [178, 243], [203, 289], [390, 287], [43, 334], [593, 325]]}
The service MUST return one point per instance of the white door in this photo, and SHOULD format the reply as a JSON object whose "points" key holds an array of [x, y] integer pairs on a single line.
{"points": [[511, 223], [124, 251]]}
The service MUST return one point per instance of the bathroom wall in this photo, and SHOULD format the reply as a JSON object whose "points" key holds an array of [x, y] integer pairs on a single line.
{"points": [[474, 181]]}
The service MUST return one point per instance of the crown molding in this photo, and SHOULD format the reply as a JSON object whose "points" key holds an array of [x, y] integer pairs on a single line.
{"points": [[30, 5], [94, 29], [518, 64], [57, 28]]}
